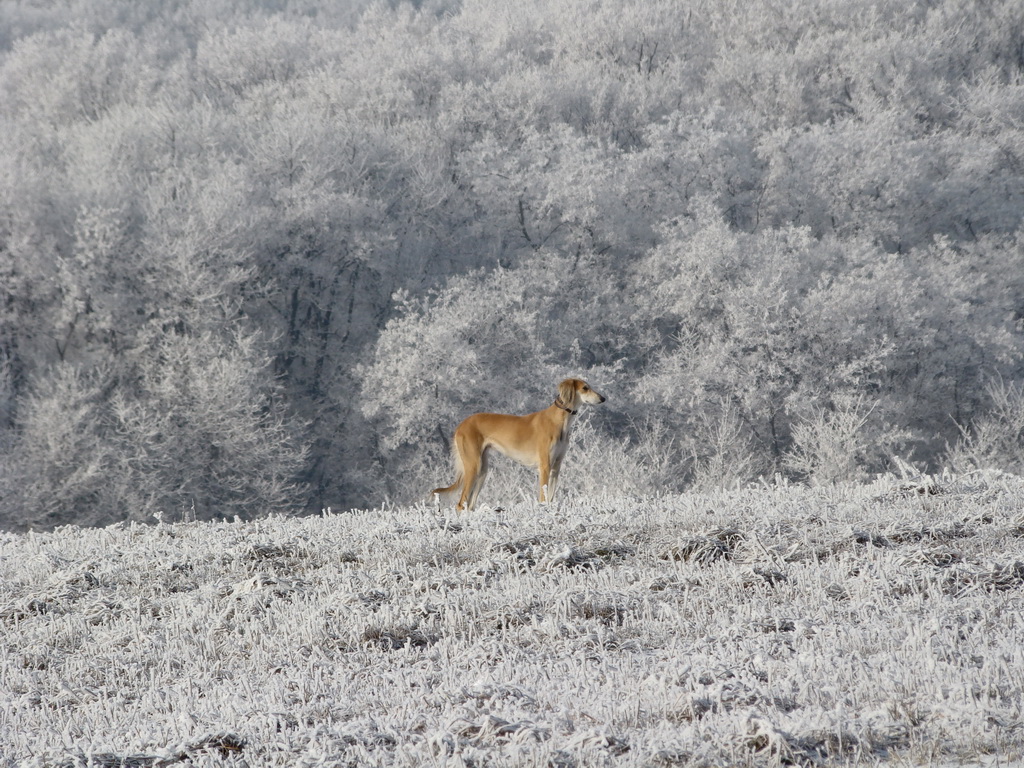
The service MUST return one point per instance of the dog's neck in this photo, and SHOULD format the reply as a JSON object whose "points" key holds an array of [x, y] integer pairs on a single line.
{"points": [[567, 409]]}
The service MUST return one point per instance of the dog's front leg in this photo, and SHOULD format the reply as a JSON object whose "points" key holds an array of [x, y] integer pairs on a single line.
{"points": [[556, 465], [545, 478]]}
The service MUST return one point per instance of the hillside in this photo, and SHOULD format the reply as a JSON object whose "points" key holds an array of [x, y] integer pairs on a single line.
{"points": [[861, 624]]}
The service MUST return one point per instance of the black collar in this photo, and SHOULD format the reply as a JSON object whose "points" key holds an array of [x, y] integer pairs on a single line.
{"points": [[558, 402]]}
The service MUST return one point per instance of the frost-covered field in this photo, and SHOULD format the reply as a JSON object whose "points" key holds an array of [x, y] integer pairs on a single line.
{"points": [[780, 625]]}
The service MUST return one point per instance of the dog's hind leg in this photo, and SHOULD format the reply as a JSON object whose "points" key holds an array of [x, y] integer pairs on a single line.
{"points": [[478, 485], [471, 457]]}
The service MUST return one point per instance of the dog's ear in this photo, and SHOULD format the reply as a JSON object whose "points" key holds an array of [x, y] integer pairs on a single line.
{"points": [[567, 393]]}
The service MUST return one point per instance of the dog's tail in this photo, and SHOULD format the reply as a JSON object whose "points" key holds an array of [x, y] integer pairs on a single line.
{"points": [[453, 487]]}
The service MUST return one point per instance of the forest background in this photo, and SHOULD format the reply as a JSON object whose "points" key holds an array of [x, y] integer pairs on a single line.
{"points": [[262, 255]]}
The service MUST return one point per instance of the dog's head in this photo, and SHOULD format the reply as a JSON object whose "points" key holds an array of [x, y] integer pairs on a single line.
{"points": [[573, 392]]}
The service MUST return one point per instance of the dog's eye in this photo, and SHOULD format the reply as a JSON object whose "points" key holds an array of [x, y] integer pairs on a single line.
{"points": [[586, 388]]}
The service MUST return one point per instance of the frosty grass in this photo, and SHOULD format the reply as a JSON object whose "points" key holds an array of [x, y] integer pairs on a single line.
{"points": [[780, 625]]}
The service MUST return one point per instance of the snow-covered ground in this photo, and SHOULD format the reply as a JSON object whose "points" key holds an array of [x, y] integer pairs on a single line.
{"points": [[774, 625]]}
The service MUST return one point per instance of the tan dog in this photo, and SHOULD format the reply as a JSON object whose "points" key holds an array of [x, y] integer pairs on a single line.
{"points": [[538, 439]]}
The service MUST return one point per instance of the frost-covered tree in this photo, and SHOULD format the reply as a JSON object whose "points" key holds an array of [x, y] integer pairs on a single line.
{"points": [[182, 413], [758, 212]]}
